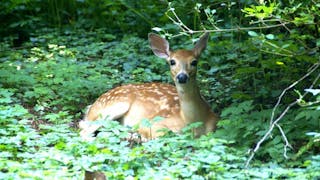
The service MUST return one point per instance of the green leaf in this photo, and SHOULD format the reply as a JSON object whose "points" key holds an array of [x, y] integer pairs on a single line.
{"points": [[313, 91], [157, 29], [270, 36], [146, 123], [318, 42], [252, 33], [157, 119]]}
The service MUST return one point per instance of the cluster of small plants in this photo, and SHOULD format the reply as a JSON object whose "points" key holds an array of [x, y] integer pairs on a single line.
{"points": [[48, 79], [56, 151]]}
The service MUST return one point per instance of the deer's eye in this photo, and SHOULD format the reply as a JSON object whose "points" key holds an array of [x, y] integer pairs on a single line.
{"points": [[194, 63], [172, 62]]}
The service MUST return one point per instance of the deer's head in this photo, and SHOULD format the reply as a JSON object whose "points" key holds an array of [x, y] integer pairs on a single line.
{"points": [[183, 63]]}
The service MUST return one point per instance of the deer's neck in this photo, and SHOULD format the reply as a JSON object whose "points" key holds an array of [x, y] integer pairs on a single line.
{"points": [[191, 103]]}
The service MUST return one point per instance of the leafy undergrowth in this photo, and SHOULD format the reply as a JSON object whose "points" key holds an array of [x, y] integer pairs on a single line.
{"points": [[46, 85], [55, 151]]}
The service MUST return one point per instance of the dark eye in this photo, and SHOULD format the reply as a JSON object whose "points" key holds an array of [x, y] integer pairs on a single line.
{"points": [[194, 63], [172, 62]]}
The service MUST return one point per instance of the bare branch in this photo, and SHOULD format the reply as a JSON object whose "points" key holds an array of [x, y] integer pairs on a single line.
{"points": [[276, 53], [274, 123], [176, 20], [311, 70], [285, 140], [252, 152]]}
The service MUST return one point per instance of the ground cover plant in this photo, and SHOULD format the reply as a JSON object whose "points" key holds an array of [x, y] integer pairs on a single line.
{"points": [[260, 72]]}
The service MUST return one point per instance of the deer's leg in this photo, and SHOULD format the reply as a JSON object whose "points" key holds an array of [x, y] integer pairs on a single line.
{"points": [[95, 112], [111, 112]]}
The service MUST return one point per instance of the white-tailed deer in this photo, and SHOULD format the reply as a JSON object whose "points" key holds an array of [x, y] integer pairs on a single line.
{"points": [[179, 105]]}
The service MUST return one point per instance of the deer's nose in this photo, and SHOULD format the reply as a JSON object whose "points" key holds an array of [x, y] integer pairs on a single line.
{"points": [[182, 78]]}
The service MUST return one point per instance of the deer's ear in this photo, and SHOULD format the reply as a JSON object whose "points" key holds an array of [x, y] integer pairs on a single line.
{"points": [[201, 45], [159, 46]]}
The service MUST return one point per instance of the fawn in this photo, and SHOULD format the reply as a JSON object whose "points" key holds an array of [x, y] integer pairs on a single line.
{"points": [[179, 105]]}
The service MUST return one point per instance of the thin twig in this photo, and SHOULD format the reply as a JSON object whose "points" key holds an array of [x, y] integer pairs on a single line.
{"points": [[276, 53], [311, 70], [285, 140], [179, 23], [275, 122], [176, 20], [252, 152]]}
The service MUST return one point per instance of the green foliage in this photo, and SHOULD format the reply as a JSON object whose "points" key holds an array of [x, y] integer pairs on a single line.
{"points": [[56, 151], [260, 12], [20, 18], [246, 71], [47, 82], [57, 77]]}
